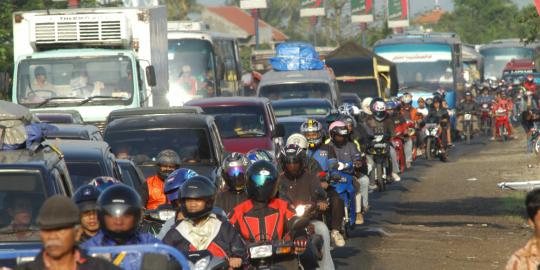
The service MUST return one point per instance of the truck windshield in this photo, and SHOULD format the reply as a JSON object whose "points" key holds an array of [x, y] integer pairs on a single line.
{"points": [[495, 59], [296, 90], [239, 121], [362, 88], [19, 204], [431, 75], [191, 67], [72, 80], [192, 145]]}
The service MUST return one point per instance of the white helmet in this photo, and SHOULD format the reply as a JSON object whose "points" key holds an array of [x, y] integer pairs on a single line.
{"points": [[356, 110], [366, 103], [298, 139]]}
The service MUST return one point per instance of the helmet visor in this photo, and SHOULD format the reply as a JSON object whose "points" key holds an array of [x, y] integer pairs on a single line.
{"points": [[261, 179]]}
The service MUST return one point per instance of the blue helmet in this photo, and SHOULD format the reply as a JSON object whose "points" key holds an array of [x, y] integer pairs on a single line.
{"points": [[103, 182], [255, 155], [86, 198], [175, 181], [391, 105]]}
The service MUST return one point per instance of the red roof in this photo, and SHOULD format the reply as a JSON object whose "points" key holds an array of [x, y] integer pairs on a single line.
{"points": [[245, 21], [431, 17]]}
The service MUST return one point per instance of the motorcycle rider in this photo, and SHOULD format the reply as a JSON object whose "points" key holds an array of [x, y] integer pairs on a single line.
{"points": [[120, 213], [322, 153], [440, 116], [312, 165], [264, 207], [201, 229], [502, 102], [346, 153], [530, 86], [422, 108], [468, 105], [299, 186], [86, 200], [152, 192], [234, 174], [409, 119], [380, 123], [530, 121]]}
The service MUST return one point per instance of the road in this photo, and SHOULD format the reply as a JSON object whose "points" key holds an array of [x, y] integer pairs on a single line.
{"points": [[447, 215]]}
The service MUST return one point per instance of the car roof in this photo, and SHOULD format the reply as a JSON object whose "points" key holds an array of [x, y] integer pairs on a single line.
{"points": [[47, 157], [81, 149], [75, 131], [173, 121], [279, 77], [301, 101], [122, 113], [217, 101]]}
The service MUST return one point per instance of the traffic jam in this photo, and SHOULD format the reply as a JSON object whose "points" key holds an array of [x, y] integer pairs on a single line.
{"points": [[132, 142]]}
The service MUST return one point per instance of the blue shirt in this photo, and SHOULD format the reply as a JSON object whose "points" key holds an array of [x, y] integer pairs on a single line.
{"points": [[132, 261]]}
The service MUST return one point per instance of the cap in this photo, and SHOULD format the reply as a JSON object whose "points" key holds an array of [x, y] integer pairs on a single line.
{"points": [[58, 212]]}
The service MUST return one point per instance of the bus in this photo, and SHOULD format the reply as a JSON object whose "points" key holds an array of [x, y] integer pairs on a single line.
{"points": [[425, 62], [499, 52], [201, 63]]}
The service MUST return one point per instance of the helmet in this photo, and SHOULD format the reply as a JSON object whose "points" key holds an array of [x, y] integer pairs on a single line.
{"points": [[516, 82], [356, 110], [198, 187], [348, 120], [120, 200], [167, 157], [406, 98], [85, 198], [338, 128], [468, 94], [259, 154], [298, 139], [345, 109], [313, 132], [291, 154], [175, 180], [262, 181], [103, 182], [530, 77], [378, 108], [332, 116], [391, 105], [366, 105], [429, 101], [234, 171]]}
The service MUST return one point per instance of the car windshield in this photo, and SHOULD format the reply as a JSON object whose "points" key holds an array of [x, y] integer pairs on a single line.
{"points": [[362, 88], [82, 172], [192, 145], [290, 128], [239, 121], [281, 110], [21, 195], [296, 90], [72, 80]]}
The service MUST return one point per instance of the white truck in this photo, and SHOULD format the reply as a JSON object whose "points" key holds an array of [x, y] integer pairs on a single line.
{"points": [[90, 60]]}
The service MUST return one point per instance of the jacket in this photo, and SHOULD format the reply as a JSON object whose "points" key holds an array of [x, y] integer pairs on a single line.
{"points": [[84, 262], [468, 107], [385, 127], [225, 240], [156, 194], [300, 190], [227, 200], [346, 154], [132, 261]]}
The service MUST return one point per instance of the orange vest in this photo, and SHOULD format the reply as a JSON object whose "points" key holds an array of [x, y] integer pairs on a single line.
{"points": [[156, 195]]}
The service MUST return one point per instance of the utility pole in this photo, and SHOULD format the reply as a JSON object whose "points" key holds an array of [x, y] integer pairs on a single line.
{"points": [[256, 25]]}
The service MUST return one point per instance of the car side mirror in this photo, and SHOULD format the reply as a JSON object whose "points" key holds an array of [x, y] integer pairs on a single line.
{"points": [[279, 131], [150, 75]]}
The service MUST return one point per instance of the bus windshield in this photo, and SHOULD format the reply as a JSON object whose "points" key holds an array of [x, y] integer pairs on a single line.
{"points": [[495, 59], [70, 81], [191, 67]]}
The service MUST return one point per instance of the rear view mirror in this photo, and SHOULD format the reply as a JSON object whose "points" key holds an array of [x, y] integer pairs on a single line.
{"points": [[279, 131], [151, 75]]}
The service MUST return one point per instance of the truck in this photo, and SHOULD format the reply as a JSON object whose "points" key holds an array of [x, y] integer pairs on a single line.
{"points": [[92, 60]]}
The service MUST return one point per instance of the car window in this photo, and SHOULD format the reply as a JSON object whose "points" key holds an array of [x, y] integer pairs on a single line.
{"points": [[19, 204], [82, 172], [239, 121], [296, 90]]}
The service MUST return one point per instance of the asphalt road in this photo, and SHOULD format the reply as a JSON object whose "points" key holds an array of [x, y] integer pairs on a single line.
{"points": [[447, 215]]}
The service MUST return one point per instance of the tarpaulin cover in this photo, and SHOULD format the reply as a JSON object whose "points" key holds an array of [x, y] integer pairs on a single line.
{"points": [[18, 127], [291, 56]]}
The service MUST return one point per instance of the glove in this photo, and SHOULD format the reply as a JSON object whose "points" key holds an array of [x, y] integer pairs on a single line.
{"points": [[342, 166], [300, 244]]}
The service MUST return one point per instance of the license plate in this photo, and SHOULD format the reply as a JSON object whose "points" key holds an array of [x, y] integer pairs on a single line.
{"points": [[380, 145], [258, 252], [468, 117]]}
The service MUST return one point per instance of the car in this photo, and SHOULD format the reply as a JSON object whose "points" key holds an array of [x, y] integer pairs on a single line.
{"points": [[75, 132], [352, 99], [131, 174], [302, 107], [195, 137], [88, 159], [59, 116], [291, 124], [27, 178], [245, 123], [123, 113], [300, 84]]}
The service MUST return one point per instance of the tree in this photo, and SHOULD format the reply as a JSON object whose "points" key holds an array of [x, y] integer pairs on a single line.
{"points": [[480, 21], [179, 9], [528, 24]]}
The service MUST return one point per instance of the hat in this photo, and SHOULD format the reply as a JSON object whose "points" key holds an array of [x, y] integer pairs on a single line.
{"points": [[58, 212]]}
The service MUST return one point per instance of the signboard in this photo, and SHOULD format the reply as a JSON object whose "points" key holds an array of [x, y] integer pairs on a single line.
{"points": [[312, 8], [398, 13], [415, 57], [361, 11], [537, 4], [253, 4]]}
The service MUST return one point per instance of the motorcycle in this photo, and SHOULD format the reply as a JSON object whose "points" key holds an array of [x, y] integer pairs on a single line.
{"points": [[518, 106], [153, 220], [344, 186], [485, 118], [433, 142], [467, 126], [535, 138], [204, 260], [378, 149], [501, 123]]}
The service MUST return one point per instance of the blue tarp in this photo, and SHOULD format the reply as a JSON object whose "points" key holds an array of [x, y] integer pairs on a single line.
{"points": [[292, 56]]}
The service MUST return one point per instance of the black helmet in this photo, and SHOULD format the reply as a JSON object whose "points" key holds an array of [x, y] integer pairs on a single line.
{"points": [[119, 200], [468, 94], [198, 187], [262, 181], [437, 99], [170, 158], [292, 153], [378, 108], [86, 198], [234, 171]]}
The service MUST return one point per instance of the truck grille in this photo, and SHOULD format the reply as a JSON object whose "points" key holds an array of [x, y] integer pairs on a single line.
{"points": [[76, 31]]}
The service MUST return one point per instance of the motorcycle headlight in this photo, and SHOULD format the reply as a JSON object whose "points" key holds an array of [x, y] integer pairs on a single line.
{"points": [[166, 214], [202, 264], [263, 251], [434, 132], [301, 209]]}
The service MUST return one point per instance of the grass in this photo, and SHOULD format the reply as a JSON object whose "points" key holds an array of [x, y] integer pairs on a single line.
{"points": [[514, 205]]}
